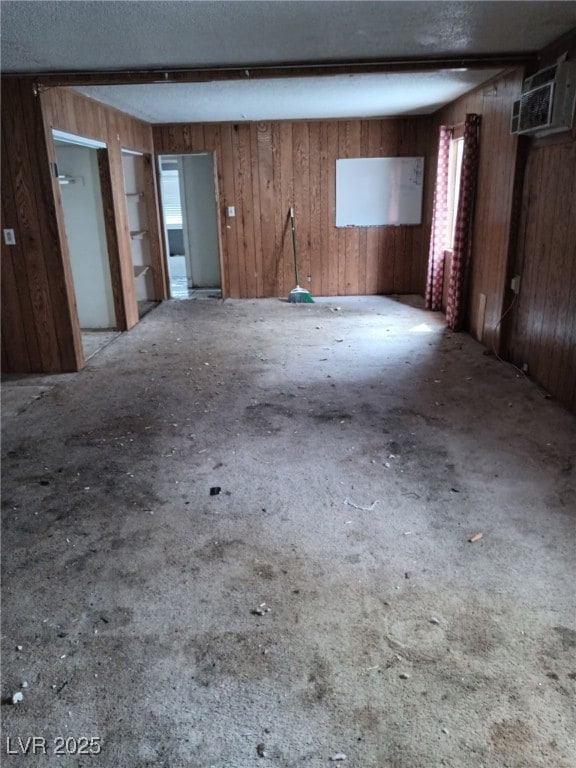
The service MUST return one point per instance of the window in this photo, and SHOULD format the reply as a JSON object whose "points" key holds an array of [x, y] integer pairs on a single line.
{"points": [[171, 205], [454, 174]]}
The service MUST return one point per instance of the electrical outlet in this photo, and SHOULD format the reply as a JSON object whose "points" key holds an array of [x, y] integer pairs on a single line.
{"points": [[515, 284], [231, 211], [9, 237]]}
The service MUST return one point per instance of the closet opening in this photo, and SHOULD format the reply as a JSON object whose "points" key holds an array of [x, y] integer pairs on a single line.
{"points": [[79, 162], [133, 164]]}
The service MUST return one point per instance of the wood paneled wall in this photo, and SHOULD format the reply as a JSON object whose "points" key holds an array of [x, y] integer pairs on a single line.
{"points": [[495, 217], [39, 321], [525, 224], [40, 331], [543, 333], [265, 168], [69, 111], [542, 327]]}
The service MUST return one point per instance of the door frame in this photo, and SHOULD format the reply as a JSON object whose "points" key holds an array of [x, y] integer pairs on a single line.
{"points": [[111, 238], [179, 155]]}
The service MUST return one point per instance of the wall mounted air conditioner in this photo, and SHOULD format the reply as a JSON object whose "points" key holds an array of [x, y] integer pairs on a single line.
{"points": [[547, 101]]}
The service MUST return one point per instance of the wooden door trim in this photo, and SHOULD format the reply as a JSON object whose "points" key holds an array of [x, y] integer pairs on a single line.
{"points": [[111, 238]]}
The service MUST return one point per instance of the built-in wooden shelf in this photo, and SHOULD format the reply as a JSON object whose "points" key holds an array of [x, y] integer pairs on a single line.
{"points": [[138, 234], [141, 270]]}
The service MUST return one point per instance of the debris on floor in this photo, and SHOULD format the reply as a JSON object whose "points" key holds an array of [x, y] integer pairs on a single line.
{"points": [[262, 610], [476, 537], [215, 490], [141, 606], [362, 509], [338, 757]]}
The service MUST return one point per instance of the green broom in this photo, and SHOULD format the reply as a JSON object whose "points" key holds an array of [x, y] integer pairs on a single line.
{"points": [[297, 295]]}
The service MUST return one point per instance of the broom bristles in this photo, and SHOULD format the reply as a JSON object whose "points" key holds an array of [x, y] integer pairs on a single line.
{"points": [[300, 296]]}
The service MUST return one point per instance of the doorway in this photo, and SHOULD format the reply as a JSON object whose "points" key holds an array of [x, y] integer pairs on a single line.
{"points": [[81, 195], [189, 195]]}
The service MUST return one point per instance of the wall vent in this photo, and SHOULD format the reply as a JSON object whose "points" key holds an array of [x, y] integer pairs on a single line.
{"points": [[547, 101]]}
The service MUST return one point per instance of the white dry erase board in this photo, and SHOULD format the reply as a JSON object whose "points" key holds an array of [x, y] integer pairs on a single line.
{"points": [[376, 191]]}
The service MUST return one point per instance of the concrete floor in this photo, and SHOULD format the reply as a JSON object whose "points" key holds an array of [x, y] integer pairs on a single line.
{"points": [[94, 341], [178, 277], [179, 282], [357, 446]]}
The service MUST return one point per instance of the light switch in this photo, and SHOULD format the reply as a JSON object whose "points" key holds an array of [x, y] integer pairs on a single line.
{"points": [[231, 211], [9, 237]]}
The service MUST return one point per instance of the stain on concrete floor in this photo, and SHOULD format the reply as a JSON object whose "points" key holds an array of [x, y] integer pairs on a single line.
{"points": [[129, 592]]}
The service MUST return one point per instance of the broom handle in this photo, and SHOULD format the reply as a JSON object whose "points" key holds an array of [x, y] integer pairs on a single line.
{"points": [[294, 244]]}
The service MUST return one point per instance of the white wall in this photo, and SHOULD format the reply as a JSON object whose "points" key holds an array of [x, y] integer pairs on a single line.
{"points": [[202, 222], [86, 234]]}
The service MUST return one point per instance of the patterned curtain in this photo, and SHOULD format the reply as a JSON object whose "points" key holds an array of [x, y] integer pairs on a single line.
{"points": [[457, 293], [435, 278]]}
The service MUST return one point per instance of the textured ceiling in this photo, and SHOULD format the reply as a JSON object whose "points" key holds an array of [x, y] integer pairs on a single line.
{"points": [[372, 95], [102, 36], [76, 35]]}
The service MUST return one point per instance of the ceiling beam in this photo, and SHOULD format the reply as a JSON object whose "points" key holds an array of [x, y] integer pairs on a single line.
{"points": [[137, 77]]}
